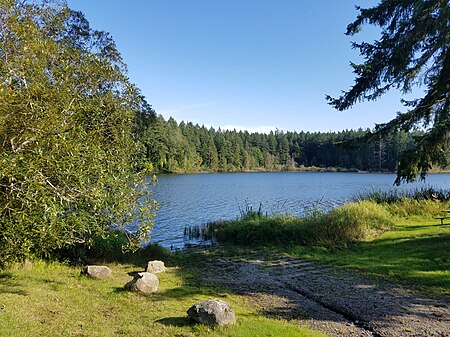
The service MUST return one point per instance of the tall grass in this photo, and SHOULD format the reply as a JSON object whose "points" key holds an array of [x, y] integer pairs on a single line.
{"points": [[425, 201], [275, 229], [353, 222], [393, 196], [364, 219]]}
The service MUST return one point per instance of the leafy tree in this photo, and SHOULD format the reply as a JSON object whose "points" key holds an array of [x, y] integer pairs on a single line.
{"points": [[69, 152], [414, 49]]}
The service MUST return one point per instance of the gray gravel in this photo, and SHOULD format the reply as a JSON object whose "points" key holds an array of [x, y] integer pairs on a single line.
{"points": [[331, 299]]}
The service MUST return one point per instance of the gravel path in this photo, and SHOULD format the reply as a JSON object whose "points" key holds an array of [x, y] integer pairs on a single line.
{"points": [[330, 299]]}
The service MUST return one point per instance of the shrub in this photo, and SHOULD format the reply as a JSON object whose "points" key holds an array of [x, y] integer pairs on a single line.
{"points": [[358, 221], [113, 247], [69, 152]]}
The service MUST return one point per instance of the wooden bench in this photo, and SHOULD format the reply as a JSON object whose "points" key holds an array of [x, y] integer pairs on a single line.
{"points": [[442, 218]]}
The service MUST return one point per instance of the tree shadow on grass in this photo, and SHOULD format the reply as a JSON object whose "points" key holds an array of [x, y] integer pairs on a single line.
{"points": [[412, 254], [320, 292], [416, 227], [10, 285]]}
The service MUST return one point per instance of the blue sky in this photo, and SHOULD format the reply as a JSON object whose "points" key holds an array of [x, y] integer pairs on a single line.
{"points": [[244, 64]]}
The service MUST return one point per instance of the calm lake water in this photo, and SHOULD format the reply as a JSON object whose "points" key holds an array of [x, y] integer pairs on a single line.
{"points": [[195, 199]]}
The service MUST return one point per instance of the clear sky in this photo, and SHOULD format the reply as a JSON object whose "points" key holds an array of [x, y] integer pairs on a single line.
{"points": [[244, 64]]}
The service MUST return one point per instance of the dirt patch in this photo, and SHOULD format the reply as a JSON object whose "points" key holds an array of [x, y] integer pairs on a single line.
{"points": [[331, 299]]}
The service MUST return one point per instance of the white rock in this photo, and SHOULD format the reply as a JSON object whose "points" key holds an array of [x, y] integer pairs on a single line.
{"points": [[143, 283], [97, 272], [155, 267], [212, 312]]}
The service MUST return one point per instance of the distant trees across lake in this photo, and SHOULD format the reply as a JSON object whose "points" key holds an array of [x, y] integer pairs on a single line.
{"points": [[188, 148]]}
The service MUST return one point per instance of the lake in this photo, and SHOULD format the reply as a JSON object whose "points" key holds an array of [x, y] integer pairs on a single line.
{"points": [[195, 199]]}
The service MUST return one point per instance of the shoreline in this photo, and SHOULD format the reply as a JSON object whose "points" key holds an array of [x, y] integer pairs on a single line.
{"points": [[312, 170]]}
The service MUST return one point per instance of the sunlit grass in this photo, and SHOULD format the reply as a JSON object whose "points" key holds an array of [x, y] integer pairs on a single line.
{"points": [[353, 222], [399, 241], [416, 252], [52, 299]]}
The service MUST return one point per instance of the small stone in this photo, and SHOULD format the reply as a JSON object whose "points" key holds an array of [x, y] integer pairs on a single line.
{"points": [[143, 283], [212, 312], [97, 272], [155, 267]]}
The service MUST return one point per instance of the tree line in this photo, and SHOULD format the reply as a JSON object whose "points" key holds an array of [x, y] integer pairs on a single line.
{"points": [[78, 141], [183, 147]]}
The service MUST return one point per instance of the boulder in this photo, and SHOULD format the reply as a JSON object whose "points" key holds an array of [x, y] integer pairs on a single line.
{"points": [[212, 312], [143, 283], [155, 267], [97, 272]]}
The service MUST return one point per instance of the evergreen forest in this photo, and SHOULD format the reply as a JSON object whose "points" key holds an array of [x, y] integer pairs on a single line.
{"points": [[183, 147]]}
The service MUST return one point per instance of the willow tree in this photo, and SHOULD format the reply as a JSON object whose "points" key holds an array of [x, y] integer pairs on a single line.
{"points": [[413, 50], [70, 163]]}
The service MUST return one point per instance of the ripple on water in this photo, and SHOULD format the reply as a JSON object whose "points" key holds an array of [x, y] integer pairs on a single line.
{"points": [[193, 200]]}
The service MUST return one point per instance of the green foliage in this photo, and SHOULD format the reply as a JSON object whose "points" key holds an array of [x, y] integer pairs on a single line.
{"points": [[248, 213], [190, 148], [344, 225], [69, 153], [413, 50], [393, 196], [422, 208], [112, 248], [268, 230]]}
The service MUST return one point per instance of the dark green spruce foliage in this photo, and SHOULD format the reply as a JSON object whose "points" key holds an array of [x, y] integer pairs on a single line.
{"points": [[413, 50], [69, 155], [185, 147]]}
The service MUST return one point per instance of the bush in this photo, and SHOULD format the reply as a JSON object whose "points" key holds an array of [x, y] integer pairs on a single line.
{"points": [[359, 221], [114, 247], [69, 153]]}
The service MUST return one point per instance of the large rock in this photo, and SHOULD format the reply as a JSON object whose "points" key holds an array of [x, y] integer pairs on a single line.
{"points": [[98, 272], [212, 312], [155, 267], [143, 283]]}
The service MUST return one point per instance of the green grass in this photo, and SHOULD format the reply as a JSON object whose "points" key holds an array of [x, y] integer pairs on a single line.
{"points": [[341, 226], [52, 299], [415, 253], [399, 241]]}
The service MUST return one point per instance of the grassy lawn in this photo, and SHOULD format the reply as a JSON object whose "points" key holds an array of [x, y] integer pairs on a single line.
{"points": [[397, 240], [416, 252], [52, 299]]}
